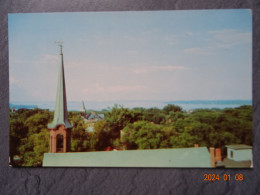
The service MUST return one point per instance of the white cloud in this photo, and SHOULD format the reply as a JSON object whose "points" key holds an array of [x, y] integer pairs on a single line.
{"points": [[168, 68], [125, 88], [226, 38], [140, 70], [19, 61], [171, 39], [98, 88], [49, 58], [229, 37], [198, 51], [132, 52], [12, 80], [43, 59], [133, 39], [189, 34], [147, 69], [151, 31]]}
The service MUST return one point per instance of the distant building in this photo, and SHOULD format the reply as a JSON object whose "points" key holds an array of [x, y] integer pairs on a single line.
{"points": [[90, 118], [238, 156], [239, 152], [60, 128], [94, 117]]}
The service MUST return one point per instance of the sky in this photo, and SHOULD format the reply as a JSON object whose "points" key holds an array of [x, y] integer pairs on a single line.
{"points": [[133, 55]]}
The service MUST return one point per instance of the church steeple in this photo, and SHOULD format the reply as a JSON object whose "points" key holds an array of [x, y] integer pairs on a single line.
{"points": [[60, 113], [83, 109], [60, 128]]}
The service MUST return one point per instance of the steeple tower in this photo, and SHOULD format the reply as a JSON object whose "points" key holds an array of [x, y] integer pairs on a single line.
{"points": [[60, 127], [83, 109]]}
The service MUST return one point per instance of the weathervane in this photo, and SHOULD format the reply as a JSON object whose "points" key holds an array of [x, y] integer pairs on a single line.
{"points": [[60, 45]]}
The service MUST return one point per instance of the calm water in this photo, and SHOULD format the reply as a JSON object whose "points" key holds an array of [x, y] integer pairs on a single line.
{"points": [[94, 105]]}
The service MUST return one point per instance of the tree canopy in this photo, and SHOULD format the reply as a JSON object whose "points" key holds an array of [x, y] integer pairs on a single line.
{"points": [[136, 128]]}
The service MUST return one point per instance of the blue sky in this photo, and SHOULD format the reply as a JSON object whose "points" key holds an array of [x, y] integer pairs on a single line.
{"points": [[145, 55]]}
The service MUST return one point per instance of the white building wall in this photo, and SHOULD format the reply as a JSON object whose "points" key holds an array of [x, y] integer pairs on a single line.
{"points": [[240, 155]]}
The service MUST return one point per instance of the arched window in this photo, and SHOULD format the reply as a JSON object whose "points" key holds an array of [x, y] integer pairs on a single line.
{"points": [[59, 143]]}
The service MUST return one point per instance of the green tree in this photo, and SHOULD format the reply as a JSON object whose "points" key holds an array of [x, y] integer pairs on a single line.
{"points": [[79, 136], [101, 137], [18, 131], [34, 147], [143, 135], [171, 108], [117, 119]]}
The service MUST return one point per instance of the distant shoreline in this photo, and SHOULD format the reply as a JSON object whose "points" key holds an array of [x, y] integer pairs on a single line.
{"points": [[98, 105]]}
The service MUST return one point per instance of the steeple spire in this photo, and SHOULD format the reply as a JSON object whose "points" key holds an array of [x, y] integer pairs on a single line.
{"points": [[83, 109], [60, 113]]}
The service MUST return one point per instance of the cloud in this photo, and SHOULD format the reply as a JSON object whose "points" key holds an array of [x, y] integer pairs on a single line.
{"points": [[151, 31], [49, 58], [171, 39], [133, 39], [170, 68], [102, 89], [226, 38], [125, 88], [43, 59], [132, 52], [147, 69], [19, 61], [229, 38], [189, 34], [198, 51], [12, 80]]}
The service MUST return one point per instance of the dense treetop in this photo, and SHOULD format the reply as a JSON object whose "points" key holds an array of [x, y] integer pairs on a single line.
{"points": [[136, 128]]}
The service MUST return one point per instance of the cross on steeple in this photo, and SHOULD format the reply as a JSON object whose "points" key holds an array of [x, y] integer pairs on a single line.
{"points": [[60, 45]]}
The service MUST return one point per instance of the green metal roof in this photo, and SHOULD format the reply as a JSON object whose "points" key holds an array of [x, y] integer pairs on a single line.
{"points": [[180, 157], [239, 146], [60, 113]]}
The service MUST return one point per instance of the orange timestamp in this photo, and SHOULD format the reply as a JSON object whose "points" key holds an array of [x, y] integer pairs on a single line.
{"points": [[225, 177]]}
